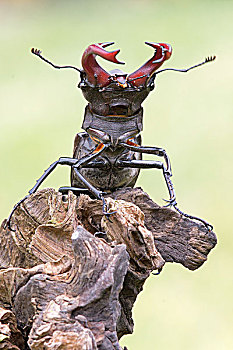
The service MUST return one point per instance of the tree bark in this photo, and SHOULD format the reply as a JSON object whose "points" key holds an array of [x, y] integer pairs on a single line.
{"points": [[70, 277]]}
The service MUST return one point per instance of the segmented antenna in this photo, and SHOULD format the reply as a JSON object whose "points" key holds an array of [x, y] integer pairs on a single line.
{"points": [[141, 76], [207, 60], [38, 53]]}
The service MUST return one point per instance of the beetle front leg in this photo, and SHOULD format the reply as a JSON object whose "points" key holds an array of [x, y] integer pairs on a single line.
{"points": [[86, 161], [98, 194]]}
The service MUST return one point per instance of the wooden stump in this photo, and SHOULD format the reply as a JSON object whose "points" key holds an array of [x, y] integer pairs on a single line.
{"points": [[69, 276]]}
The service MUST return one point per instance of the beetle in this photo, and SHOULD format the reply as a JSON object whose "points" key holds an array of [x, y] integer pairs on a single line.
{"points": [[108, 154]]}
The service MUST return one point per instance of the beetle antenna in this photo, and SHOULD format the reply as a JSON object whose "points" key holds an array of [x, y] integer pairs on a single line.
{"points": [[141, 76], [38, 53], [207, 60]]}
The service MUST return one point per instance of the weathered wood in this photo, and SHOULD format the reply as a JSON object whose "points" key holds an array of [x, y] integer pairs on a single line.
{"points": [[10, 337], [71, 286], [177, 238]]}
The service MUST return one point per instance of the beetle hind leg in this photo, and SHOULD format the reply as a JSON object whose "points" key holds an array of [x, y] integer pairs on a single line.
{"points": [[106, 209], [207, 225], [76, 190], [8, 221], [172, 201]]}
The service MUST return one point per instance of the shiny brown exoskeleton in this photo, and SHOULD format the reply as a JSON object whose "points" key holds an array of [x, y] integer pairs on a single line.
{"points": [[108, 154]]}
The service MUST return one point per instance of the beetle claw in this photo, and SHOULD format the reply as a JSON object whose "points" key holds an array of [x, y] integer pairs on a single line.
{"points": [[158, 272], [170, 202], [105, 209]]}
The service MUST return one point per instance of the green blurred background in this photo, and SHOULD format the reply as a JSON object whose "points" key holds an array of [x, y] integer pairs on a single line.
{"points": [[190, 115]]}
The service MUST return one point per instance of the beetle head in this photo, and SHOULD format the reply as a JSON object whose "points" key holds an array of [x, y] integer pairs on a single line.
{"points": [[118, 92]]}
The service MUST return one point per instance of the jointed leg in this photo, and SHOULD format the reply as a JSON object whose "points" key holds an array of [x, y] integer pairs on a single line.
{"points": [[166, 172], [98, 194], [86, 162], [207, 225], [77, 190], [76, 164], [157, 151], [62, 161]]}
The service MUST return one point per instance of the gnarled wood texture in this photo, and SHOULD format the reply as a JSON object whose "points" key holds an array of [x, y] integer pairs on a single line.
{"points": [[70, 277]]}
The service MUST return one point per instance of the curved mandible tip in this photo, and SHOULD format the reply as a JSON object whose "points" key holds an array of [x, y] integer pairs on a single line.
{"points": [[162, 53], [166, 50], [96, 75], [108, 55]]}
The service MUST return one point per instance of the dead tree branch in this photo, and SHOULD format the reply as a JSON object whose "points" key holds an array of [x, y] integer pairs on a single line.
{"points": [[70, 277]]}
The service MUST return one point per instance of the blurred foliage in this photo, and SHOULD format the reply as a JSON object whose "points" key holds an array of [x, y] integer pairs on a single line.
{"points": [[190, 115]]}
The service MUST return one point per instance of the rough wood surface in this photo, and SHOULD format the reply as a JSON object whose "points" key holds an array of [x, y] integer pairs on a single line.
{"points": [[70, 277]]}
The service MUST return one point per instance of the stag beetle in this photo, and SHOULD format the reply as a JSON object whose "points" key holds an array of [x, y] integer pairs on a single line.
{"points": [[108, 154]]}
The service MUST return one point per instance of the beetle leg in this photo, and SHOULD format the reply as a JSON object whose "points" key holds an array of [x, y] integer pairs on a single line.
{"points": [[98, 194], [157, 151], [88, 185], [47, 172], [62, 161], [157, 273], [167, 171], [167, 175], [207, 225], [147, 164], [77, 190], [86, 162], [83, 162], [97, 164], [106, 210], [8, 222]]}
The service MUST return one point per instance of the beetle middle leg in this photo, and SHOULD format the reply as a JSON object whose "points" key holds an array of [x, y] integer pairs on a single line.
{"points": [[167, 171], [97, 193], [150, 164], [89, 188]]}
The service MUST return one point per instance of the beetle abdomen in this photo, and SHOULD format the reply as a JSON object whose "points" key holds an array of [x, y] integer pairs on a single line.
{"points": [[109, 177]]}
